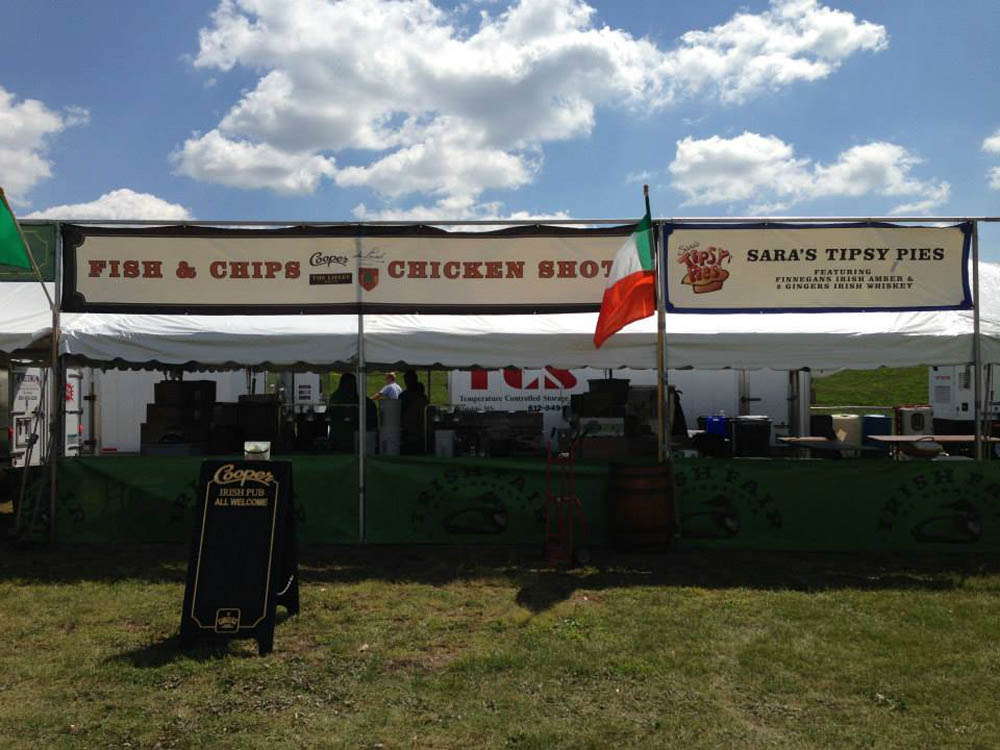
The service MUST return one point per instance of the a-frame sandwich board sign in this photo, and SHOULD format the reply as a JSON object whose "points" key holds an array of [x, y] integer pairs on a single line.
{"points": [[243, 560]]}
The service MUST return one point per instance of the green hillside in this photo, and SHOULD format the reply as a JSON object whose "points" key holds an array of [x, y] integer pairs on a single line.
{"points": [[435, 382], [883, 387]]}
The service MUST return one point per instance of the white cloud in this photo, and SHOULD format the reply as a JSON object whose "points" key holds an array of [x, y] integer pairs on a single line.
{"points": [[933, 196], [725, 170], [796, 40], [642, 176], [418, 168], [415, 102], [991, 145], [995, 178], [765, 172], [25, 129], [117, 204], [215, 158], [454, 209]]}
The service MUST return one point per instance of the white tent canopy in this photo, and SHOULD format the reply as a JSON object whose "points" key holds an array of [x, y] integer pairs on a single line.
{"points": [[298, 341], [704, 342], [781, 341], [25, 315]]}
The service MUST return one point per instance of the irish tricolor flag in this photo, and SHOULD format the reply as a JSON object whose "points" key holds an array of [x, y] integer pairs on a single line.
{"points": [[630, 293]]}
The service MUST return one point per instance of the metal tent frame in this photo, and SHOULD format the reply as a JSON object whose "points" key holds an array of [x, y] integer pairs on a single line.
{"points": [[58, 365]]}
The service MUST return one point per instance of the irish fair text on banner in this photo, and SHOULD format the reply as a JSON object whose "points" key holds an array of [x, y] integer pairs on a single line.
{"points": [[809, 268]]}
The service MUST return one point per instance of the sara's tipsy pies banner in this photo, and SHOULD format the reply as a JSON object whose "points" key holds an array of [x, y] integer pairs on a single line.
{"points": [[808, 268], [337, 269]]}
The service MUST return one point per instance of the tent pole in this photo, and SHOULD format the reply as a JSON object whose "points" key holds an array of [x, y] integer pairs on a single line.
{"points": [[56, 415], [793, 403], [58, 392], [987, 422], [662, 390], [977, 354], [362, 379]]}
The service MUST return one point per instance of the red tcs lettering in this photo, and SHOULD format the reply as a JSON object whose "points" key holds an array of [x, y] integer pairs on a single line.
{"points": [[560, 378], [480, 380]]}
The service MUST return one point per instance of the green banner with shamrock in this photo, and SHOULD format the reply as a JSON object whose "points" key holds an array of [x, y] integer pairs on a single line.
{"points": [[752, 504]]}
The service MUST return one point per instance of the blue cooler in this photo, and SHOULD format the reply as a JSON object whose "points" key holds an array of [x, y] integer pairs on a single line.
{"points": [[717, 426], [875, 424]]}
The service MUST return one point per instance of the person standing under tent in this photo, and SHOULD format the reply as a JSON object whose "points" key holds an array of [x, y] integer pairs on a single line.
{"points": [[342, 410], [390, 390], [413, 407]]}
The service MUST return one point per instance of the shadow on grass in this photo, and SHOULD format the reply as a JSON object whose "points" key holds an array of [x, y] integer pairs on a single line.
{"points": [[64, 563], [170, 649], [538, 587]]}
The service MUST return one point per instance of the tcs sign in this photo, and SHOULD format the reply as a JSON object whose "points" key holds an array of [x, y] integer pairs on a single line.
{"points": [[550, 378]]}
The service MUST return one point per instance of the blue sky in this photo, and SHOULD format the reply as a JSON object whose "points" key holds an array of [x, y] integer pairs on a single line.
{"points": [[364, 109]]}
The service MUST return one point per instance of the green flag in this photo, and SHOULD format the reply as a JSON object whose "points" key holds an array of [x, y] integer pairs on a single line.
{"points": [[13, 251]]}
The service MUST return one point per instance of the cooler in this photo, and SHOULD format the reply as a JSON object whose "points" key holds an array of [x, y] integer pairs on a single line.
{"points": [[717, 426], [847, 428], [875, 424], [752, 436]]}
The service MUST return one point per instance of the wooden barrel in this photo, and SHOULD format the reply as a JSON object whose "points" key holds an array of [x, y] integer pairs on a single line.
{"points": [[641, 505]]}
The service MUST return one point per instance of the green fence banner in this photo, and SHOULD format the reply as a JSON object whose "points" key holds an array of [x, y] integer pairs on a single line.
{"points": [[753, 504]]}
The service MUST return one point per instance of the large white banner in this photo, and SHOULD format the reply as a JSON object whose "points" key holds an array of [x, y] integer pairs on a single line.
{"points": [[548, 390], [247, 271], [816, 268], [515, 389]]}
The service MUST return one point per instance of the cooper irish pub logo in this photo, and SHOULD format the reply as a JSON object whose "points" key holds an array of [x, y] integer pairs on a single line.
{"points": [[704, 267], [229, 474]]}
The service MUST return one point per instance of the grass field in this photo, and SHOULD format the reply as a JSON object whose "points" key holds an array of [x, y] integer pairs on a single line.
{"points": [[886, 386], [457, 648], [449, 648]]}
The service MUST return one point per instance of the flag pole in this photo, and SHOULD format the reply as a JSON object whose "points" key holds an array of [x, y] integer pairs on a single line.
{"points": [[56, 404], [27, 249], [662, 433]]}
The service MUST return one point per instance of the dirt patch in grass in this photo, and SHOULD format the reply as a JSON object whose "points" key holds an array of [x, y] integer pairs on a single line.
{"points": [[426, 660]]}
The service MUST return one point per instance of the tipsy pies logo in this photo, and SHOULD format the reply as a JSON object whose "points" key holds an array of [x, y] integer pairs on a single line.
{"points": [[704, 267]]}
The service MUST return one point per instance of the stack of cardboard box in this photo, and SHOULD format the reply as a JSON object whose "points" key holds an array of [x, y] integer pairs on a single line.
{"points": [[179, 420]]}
